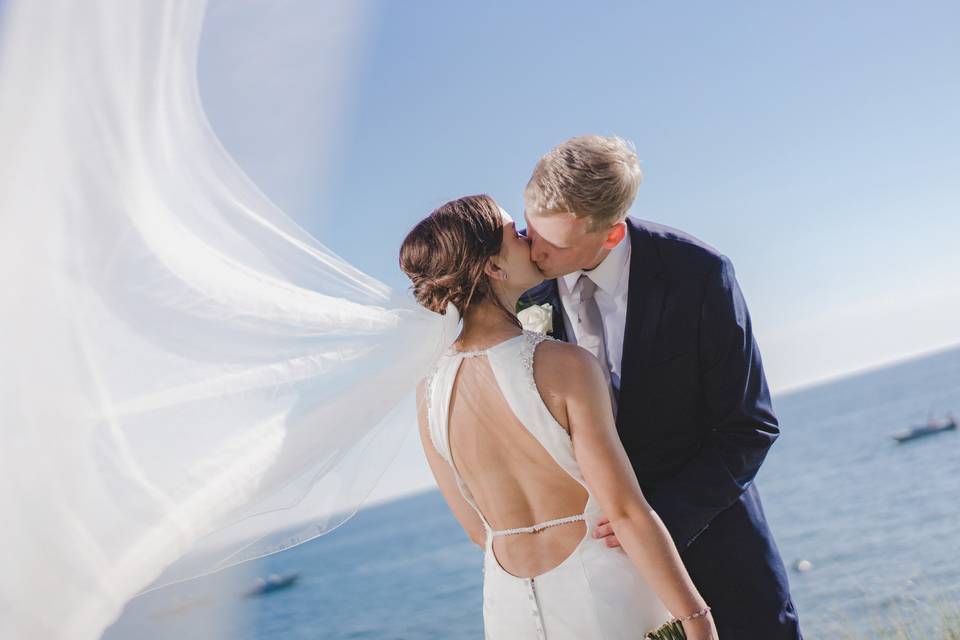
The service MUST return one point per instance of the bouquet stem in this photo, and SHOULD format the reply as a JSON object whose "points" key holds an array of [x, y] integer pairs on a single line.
{"points": [[672, 630]]}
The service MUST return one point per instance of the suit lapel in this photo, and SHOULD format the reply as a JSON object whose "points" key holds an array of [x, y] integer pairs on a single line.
{"points": [[644, 303], [559, 326]]}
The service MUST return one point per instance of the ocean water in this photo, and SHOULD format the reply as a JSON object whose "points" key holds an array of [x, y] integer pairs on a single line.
{"points": [[878, 520]]}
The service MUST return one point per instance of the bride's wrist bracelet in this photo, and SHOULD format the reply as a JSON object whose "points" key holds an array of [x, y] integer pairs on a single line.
{"points": [[697, 614]]}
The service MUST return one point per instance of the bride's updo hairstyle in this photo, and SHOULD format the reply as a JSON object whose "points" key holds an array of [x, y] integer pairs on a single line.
{"points": [[445, 254]]}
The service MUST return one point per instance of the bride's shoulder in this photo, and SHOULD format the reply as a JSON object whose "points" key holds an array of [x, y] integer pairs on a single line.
{"points": [[552, 348], [562, 363]]}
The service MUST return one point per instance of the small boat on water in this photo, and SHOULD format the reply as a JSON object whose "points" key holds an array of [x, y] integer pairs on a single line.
{"points": [[273, 582], [930, 428]]}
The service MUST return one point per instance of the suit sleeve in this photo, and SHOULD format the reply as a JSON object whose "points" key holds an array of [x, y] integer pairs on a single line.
{"points": [[740, 423]]}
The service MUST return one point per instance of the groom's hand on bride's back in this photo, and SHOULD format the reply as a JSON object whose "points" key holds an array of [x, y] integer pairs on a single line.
{"points": [[605, 531]]}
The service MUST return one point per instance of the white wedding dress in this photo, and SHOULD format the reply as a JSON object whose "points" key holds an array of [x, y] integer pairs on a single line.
{"points": [[596, 591]]}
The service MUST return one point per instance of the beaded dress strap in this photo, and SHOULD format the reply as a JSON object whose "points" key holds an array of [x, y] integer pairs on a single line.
{"points": [[538, 527], [467, 354]]}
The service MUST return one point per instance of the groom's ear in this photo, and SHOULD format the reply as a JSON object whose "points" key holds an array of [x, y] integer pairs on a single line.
{"points": [[615, 235]]}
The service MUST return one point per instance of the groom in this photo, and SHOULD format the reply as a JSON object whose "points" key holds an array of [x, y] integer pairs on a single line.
{"points": [[664, 312]]}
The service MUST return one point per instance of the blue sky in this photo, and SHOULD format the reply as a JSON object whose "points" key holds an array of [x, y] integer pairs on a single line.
{"points": [[817, 145]]}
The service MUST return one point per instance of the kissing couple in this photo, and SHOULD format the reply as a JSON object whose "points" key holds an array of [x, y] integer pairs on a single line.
{"points": [[603, 452]]}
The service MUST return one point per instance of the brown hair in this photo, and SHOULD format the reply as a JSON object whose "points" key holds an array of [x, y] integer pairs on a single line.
{"points": [[592, 177], [445, 254]]}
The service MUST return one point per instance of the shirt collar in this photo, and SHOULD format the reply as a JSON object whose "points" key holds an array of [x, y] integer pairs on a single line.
{"points": [[608, 273]]}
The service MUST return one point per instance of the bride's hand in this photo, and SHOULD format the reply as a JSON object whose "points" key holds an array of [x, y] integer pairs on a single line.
{"points": [[701, 628]]}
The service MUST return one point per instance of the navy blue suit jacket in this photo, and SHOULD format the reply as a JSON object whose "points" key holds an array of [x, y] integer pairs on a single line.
{"points": [[696, 420]]}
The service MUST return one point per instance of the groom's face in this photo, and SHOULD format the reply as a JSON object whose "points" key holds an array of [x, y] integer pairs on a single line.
{"points": [[560, 242]]}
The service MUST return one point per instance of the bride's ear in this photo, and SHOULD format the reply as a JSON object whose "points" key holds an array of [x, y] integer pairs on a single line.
{"points": [[494, 271]]}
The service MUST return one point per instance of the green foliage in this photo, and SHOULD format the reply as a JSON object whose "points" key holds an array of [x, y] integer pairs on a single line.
{"points": [[668, 631]]}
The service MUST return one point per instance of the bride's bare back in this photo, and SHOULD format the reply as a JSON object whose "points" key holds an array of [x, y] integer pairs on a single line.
{"points": [[514, 480]]}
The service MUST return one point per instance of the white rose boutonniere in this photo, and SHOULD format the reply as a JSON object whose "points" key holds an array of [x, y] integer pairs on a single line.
{"points": [[538, 317]]}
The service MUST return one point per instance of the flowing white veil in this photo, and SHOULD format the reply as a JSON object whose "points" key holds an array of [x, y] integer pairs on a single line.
{"points": [[188, 379]]}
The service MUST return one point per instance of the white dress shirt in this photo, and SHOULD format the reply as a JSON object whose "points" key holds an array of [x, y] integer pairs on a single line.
{"points": [[612, 279]]}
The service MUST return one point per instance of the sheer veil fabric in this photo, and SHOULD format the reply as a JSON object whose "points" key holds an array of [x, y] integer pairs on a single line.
{"points": [[188, 379]]}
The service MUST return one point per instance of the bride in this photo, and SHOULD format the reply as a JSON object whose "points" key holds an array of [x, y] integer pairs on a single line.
{"points": [[518, 430]]}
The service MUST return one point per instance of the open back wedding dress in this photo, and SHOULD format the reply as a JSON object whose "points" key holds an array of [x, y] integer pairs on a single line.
{"points": [[596, 592]]}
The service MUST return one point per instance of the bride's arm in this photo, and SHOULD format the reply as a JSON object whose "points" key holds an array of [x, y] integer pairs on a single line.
{"points": [[464, 513], [611, 479]]}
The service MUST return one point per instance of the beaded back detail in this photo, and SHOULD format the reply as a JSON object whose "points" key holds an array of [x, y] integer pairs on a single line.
{"points": [[428, 388], [530, 341], [467, 354]]}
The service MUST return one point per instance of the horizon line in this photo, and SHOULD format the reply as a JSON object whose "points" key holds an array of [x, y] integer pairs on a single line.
{"points": [[852, 373]]}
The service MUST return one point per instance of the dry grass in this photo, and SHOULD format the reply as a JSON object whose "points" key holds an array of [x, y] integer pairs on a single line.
{"points": [[936, 619]]}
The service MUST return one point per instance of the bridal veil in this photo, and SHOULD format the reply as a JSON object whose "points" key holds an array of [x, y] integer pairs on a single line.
{"points": [[188, 379]]}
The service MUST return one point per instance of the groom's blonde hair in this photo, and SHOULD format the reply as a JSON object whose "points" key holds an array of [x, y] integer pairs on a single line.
{"points": [[593, 177]]}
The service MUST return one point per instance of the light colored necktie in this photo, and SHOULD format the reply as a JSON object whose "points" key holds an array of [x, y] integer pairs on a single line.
{"points": [[589, 332]]}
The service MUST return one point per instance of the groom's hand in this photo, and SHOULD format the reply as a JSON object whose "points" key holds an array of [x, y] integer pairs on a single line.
{"points": [[605, 530]]}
